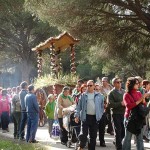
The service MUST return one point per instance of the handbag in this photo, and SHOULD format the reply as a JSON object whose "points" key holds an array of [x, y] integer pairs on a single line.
{"points": [[55, 130], [143, 110], [136, 118], [132, 122]]}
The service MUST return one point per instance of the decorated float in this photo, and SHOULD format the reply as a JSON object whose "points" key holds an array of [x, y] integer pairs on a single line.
{"points": [[56, 79]]}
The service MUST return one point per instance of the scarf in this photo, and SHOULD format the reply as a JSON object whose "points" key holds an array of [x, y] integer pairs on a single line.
{"points": [[66, 97]]}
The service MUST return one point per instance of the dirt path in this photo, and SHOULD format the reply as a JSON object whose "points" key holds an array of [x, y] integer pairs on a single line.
{"points": [[43, 137]]}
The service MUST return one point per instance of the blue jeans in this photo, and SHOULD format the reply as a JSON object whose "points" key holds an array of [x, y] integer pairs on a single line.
{"points": [[126, 145], [23, 124], [32, 125], [50, 124]]}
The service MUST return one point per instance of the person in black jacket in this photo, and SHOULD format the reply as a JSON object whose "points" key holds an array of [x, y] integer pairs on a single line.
{"points": [[117, 107], [16, 112], [22, 94]]}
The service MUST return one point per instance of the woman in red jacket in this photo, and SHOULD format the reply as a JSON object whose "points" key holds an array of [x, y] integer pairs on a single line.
{"points": [[4, 111], [131, 99]]}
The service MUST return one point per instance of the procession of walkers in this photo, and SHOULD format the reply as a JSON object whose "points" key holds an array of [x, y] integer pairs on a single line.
{"points": [[120, 109]]}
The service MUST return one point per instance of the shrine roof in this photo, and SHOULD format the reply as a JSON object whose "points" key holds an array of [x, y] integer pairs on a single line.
{"points": [[60, 42]]}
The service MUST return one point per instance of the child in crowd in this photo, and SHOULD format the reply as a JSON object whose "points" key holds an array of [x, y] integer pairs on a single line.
{"points": [[49, 110]]}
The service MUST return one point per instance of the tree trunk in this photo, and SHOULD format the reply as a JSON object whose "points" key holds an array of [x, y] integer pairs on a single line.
{"points": [[25, 68]]}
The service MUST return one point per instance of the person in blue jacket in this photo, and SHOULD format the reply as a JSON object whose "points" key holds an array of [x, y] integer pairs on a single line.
{"points": [[22, 94], [89, 110], [32, 109]]}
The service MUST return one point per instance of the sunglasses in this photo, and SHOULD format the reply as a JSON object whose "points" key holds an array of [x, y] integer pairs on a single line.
{"points": [[97, 89], [118, 82], [137, 83], [89, 85]]}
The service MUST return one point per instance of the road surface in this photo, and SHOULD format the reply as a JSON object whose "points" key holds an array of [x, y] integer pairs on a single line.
{"points": [[43, 137]]}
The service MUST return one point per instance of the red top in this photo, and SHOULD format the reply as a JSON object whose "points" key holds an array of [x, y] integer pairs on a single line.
{"points": [[130, 102], [4, 104]]}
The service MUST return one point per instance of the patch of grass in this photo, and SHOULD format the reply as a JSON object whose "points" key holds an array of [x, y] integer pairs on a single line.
{"points": [[47, 80], [10, 145]]}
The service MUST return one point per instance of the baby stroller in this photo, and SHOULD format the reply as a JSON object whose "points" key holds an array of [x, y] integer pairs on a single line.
{"points": [[73, 129]]}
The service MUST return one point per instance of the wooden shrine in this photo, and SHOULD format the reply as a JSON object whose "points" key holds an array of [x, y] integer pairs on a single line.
{"points": [[57, 45]]}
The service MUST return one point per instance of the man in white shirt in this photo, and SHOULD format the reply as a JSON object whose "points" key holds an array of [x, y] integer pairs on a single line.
{"points": [[90, 109]]}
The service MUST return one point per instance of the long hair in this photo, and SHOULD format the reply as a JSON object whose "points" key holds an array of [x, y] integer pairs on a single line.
{"points": [[83, 86], [131, 81]]}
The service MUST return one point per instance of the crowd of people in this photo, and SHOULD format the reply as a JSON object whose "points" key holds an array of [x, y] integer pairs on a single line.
{"points": [[20, 106], [99, 106], [118, 104]]}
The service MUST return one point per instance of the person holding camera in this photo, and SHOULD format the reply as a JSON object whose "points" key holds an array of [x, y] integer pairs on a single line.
{"points": [[133, 98]]}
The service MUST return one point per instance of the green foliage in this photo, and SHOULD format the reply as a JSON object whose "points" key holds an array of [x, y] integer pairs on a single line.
{"points": [[64, 79], [117, 30], [148, 75], [115, 35], [84, 70], [19, 33], [10, 145], [96, 17], [89, 67]]}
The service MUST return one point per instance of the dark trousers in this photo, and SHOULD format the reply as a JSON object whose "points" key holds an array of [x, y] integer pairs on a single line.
{"points": [[5, 120], [102, 125], [109, 123], [32, 125], [23, 124], [0, 122], [16, 119], [63, 132], [118, 122], [88, 127], [10, 116]]}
